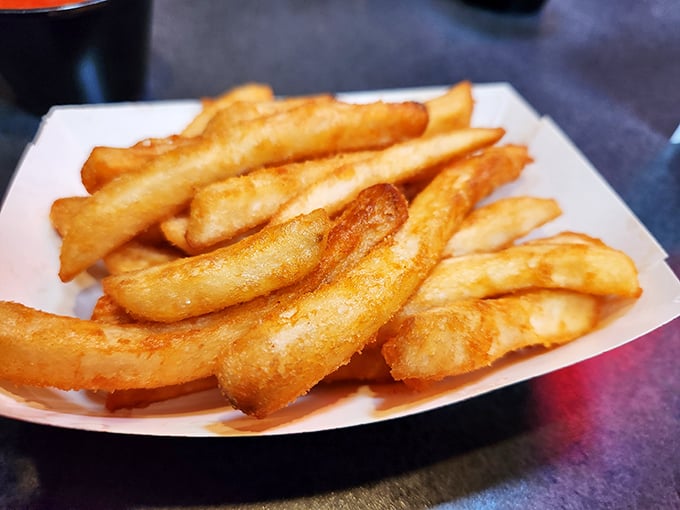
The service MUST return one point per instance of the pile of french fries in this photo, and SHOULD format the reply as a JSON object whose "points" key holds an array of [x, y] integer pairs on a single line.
{"points": [[275, 244]]}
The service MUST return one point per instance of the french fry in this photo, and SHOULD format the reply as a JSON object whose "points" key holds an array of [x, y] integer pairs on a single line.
{"points": [[174, 230], [166, 185], [498, 224], [271, 259], [106, 163], [107, 311], [394, 164], [568, 237], [450, 111], [579, 267], [42, 349], [231, 207], [471, 334], [249, 92], [135, 255], [62, 210], [297, 345], [250, 110]]}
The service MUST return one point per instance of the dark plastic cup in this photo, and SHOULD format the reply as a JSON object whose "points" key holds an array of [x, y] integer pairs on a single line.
{"points": [[92, 51]]}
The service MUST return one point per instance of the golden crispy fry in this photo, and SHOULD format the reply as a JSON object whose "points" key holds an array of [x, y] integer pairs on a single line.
{"points": [[394, 164], [135, 255], [165, 186], [143, 397], [472, 334], [497, 225], [42, 349], [106, 310], [578, 267], [243, 93], [297, 345], [273, 258], [568, 237], [62, 210], [174, 231], [450, 111], [231, 207], [106, 163], [249, 110]]}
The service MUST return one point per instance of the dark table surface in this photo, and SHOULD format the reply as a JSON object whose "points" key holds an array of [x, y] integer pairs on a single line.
{"points": [[604, 433]]}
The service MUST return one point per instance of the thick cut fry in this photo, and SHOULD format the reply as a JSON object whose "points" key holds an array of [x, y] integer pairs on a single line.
{"points": [[135, 255], [246, 111], [578, 267], [166, 185], [394, 164], [568, 237], [106, 310], [297, 345], [472, 334], [174, 231], [106, 163], [273, 258], [247, 92], [452, 110], [231, 207], [42, 349], [499, 224], [138, 398], [62, 210]]}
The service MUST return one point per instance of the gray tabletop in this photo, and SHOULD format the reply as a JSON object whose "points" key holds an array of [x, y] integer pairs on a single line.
{"points": [[604, 433]]}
